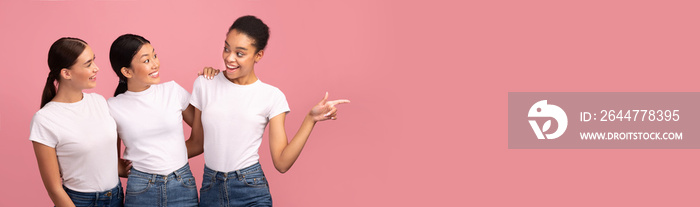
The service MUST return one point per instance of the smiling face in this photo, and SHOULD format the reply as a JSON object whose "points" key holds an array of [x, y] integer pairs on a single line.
{"points": [[82, 74], [144, 70], [240, 57]]}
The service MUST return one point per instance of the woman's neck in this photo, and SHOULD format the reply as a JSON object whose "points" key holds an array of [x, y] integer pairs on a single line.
{"points": [[247, 80], [67, 94], [133, 87]]}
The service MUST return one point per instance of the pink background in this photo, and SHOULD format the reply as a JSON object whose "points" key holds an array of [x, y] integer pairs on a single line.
{"points": [[428, 81]]}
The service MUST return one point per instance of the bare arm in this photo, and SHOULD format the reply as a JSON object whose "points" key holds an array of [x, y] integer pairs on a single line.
{"points": [[124, 166], [195, 144], [188, 115], [284, 153], [51, 175]]}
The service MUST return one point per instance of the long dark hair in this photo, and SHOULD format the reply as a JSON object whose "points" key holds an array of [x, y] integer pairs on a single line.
{"points": [[63, 53], [120, 55]]}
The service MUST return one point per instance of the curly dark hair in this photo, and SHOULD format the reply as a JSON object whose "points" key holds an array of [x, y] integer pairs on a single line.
{"points": [[254, 28]]}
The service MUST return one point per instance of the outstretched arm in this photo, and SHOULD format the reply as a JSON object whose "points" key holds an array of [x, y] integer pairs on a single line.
{"points": [[50, 174], [284, 153]]}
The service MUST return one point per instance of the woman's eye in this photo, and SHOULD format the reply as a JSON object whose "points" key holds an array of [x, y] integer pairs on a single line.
{"points": [[226, 49], [147, 61], [155, 55], [240, 54]]}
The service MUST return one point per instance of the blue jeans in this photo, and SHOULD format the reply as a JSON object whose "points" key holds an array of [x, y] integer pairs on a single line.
{"points": [[173, 190], [110, 198], [245, 187]]}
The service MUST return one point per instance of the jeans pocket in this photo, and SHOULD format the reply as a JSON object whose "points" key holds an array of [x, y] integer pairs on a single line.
{"points": [[207, 182], [188, 181], [136, 185], [256, 179], [80, 199], [83, 202]]}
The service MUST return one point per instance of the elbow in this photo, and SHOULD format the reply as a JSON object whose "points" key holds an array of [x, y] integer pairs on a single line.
{"points": [[194, 152], [282, 169]]}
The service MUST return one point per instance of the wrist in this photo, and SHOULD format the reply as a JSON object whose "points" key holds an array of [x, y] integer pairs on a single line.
{"points": [[310, 118]]}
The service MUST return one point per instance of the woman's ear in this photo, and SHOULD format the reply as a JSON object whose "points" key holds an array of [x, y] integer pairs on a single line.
{"points": [[127, 72], [65, 74], [259, 55]]}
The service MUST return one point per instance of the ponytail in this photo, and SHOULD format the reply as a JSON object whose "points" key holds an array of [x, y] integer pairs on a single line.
{"points": [[62, 54], [121, 88], [49, 90]]}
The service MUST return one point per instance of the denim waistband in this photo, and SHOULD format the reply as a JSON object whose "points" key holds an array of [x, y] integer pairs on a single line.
{"points": [[233, 174], [155, 177], [104, 195]]}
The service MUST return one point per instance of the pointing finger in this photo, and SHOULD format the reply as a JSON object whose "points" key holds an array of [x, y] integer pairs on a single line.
{"points": [[336, 102]]}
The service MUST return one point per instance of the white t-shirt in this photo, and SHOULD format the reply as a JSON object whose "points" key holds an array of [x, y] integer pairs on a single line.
{"points": [[150, 125], [234, 118], [85, 138]]}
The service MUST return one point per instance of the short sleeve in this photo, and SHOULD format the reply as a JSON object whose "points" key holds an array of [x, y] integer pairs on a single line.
{"points": [[182, 94], [111, 104], [39, 132], [197, 93], [279, 104], [99, 98], [101, 101]]}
